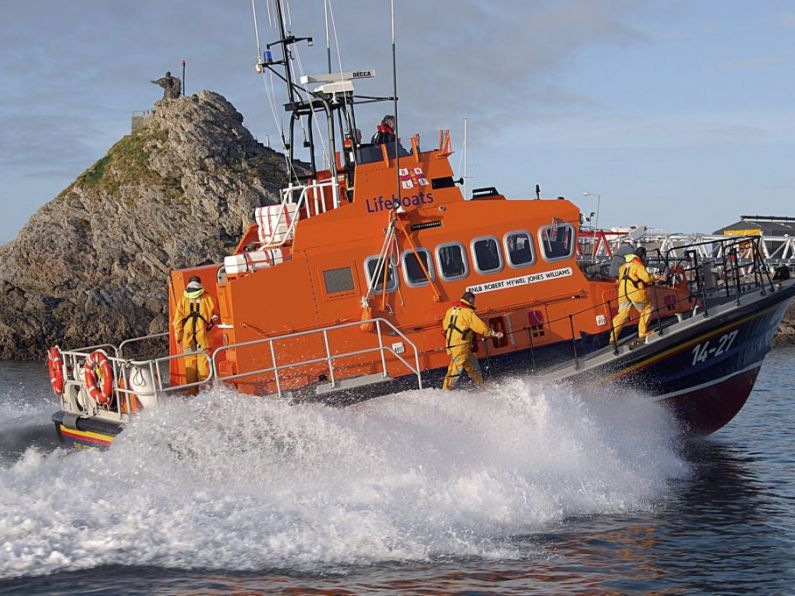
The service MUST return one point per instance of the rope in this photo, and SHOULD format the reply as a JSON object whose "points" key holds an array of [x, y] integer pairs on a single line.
{"points": [[270, 18], [382, 255], [256, 31]]}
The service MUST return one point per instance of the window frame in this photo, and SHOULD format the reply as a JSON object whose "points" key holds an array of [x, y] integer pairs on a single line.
{"points": [[437, 252], [475, 258], [533, 252], [340, 293], [392, 263], [424, 281], [573, 242]]}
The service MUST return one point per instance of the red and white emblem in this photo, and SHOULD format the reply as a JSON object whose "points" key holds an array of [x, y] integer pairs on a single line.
{"points": [[411, 178]]}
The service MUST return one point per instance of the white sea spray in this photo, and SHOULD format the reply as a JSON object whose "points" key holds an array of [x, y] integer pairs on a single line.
{"points": [[234, 482]]}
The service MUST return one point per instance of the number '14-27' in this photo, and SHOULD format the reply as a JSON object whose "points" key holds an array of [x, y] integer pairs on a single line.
{"points": [[703, 351]]}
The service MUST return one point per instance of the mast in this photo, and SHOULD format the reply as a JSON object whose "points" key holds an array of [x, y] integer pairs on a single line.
{"points": [[328, 93], [285, 41], [328, 39]]}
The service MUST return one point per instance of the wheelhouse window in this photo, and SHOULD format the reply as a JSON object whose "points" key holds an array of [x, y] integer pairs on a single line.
{"points": [[374, 266], [338, 280], [412, 267], [557, 241], [519, 249], [452, 261], [486, 253]]}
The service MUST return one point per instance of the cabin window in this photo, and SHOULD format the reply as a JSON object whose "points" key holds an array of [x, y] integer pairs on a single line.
{"points": [[486, 252], [412, 270], [373, 266], [338, 280], [519, 249], [452, 261], [557, 241]]}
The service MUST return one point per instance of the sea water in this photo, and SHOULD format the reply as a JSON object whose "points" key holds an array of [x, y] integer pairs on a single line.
{"points": [[522, 487]]}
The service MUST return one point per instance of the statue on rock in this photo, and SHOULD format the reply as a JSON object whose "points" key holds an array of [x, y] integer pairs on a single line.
{"points": [[172, 86]]}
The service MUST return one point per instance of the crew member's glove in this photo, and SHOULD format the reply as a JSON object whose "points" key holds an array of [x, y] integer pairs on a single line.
{"points": [[497, 334]]}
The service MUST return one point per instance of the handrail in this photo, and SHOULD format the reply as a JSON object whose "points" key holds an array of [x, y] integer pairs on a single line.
{"points": [[156, 362], [86, 351], [133, 340], [329, 358], [287, 198]]}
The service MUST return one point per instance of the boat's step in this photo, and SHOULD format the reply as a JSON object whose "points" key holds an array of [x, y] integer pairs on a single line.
{"points": [[351, 383]]}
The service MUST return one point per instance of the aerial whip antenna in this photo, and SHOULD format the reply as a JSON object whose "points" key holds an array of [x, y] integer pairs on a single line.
{"points": [[465, 159], [328, 40], [395, 99]]}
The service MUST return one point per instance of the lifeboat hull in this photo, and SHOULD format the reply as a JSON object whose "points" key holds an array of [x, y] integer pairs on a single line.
{"points": [[703, 368], [704, 371], [84, 432]]}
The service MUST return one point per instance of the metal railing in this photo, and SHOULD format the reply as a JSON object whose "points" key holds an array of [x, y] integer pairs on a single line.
{"points": [[317, 202], [732, 267], [329, 357], [600, 245], [138, 340], [120, 402]]}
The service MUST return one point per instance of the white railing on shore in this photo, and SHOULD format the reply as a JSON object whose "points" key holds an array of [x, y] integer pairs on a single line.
{"points": [[776, 250]]}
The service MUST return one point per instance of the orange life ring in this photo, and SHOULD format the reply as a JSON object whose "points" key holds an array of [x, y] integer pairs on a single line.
{"points": [[99, 377], [55, 365]]}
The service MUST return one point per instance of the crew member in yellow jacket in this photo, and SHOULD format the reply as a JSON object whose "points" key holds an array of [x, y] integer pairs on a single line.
{"points": [[195, 315], [633, 279], [459, 323]]}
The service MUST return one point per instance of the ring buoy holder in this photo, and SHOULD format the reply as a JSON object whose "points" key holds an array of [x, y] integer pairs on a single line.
{"points": [[55, 366], [98, 373]]}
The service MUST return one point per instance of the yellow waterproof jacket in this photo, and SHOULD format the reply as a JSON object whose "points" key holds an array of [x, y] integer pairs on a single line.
{"points": [[460, 321], [192, 317], [633, 280]]}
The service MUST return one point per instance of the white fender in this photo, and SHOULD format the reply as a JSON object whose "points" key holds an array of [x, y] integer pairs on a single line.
{"points": [[143, 386]]}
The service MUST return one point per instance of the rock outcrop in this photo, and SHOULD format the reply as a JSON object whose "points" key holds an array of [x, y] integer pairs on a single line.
{"points": [[91, 265]]}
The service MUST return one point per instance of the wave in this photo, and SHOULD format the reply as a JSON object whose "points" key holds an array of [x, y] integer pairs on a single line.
{"points": [[225, 481]]}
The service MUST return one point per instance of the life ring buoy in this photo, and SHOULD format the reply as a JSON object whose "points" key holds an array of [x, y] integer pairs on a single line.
{"points": [[55, 366], [98, 373]]}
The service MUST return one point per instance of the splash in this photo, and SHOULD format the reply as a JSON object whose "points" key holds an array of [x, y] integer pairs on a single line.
{"points": [[26, 405], [225, 481]]}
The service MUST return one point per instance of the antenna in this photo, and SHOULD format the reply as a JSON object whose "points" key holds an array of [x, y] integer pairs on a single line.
{"points": [[286, 52], [183, 78], [465, 159], [395, 99], [328, 41]]}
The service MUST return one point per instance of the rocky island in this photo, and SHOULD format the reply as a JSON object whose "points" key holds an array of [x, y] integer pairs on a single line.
{"points": [[91, 265]]}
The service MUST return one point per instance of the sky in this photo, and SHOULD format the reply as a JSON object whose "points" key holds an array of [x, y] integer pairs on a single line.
{"points": [[679, 114]]}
